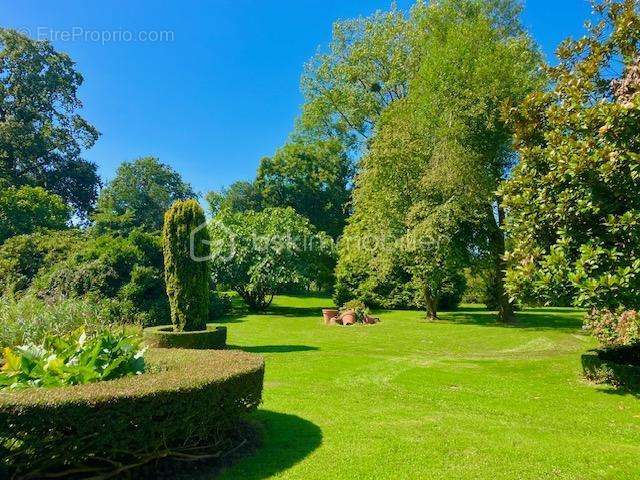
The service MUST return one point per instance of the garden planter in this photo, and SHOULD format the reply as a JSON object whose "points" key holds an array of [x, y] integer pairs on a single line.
{"points": [[213, 338], [329, 315], [349, 318]]}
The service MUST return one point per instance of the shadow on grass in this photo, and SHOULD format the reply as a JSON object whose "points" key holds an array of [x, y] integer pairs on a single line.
{"points": [[274, 348], [302, 312], [567, 320], [287, 439]]}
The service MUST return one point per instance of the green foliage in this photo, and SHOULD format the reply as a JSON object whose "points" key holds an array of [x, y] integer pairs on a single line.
{"points": [[128, 270], [41, 134], [176, 409], [213, 338], [366, 67], [312, 178], [186, 270], [219, 305], [30, 320], [24, 257], [425, 203], [144, 188], [613, 329], [573, 201], [258, 254], [27, 209], [72, 360], [240, 196]]}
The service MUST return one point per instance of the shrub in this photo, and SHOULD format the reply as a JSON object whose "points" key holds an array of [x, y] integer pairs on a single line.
{"points": [[72, 360], [24, 257], [30, 319], [618, 366], [189, 404], [26, 209], [187, 280], [219, 305], [214, 338], [128, 270], [614, 328]]}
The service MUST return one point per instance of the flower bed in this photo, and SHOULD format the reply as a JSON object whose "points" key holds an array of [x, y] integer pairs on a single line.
{"points": [[190, 403]]}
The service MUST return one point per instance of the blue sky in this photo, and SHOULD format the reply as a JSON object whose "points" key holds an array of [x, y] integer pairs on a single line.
{"points": [[219, 87]]}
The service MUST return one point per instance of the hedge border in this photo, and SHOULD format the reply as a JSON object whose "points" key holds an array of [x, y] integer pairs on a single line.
{"points": [[189, 399], [599, 369], [163, 336]]}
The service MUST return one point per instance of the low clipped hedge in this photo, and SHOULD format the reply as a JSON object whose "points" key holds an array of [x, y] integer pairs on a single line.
{"points": [[619, 366], [215, 337], [189, 403]]}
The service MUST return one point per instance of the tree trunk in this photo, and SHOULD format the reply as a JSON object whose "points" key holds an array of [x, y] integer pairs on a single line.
{"points": [[506, 313], [432, 306]]}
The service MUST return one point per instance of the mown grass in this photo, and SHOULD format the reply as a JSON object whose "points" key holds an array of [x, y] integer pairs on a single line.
{"points": [[462, 398]]}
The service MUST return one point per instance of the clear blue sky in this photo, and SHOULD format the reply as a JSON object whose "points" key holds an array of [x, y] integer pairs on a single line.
{"points": [[222, 90]]}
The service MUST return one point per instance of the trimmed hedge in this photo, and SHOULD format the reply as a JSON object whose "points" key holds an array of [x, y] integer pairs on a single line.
{"points": [[618, 366], [214, 338], [190, 403]]}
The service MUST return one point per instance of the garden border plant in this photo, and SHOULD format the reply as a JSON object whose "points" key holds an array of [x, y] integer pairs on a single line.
{"points": [[188, 282], [163, 336], [188, 406]]}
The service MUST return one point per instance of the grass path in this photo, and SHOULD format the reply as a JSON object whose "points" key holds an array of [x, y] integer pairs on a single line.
{"points": [[463, 398]]}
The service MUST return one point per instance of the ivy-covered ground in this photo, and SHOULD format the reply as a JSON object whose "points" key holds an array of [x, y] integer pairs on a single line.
{"points": [[407, 399]]}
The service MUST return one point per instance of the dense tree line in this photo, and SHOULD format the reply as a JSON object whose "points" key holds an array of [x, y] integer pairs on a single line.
{"points": [[434, 146]]}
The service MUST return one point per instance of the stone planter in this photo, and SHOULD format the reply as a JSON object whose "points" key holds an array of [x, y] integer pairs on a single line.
{"points": [[329, 314]]}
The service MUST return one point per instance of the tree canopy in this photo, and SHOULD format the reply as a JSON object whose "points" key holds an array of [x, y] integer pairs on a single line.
{"points": [[144, 188], [439, 154], [41, 134], [27, 209], [312, 178], [257, 254], [573, 201]]}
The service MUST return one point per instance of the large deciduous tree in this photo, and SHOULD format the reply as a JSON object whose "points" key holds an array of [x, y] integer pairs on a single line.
{"points": [[312, 178], [445, 147], [41, 134], [573, 202], [144, 189], [367, 66]]}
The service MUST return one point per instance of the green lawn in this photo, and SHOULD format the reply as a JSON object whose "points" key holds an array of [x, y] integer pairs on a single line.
{"points": [[407, 399]]}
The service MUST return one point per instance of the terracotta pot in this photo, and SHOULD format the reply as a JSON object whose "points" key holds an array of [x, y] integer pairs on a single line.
{"points": [[349, 318], [329, 315]]}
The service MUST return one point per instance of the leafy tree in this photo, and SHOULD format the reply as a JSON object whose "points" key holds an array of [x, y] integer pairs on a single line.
{"points": [[185, 245], [146, 188], [445, 146], [41, 135], [258, 254], [574, 199], [436, 255], [27, 209], [312, 178], [240, 196], [367, 66]]}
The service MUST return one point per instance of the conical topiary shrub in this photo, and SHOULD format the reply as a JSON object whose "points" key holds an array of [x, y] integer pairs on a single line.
{"points": [[186, 277]]}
